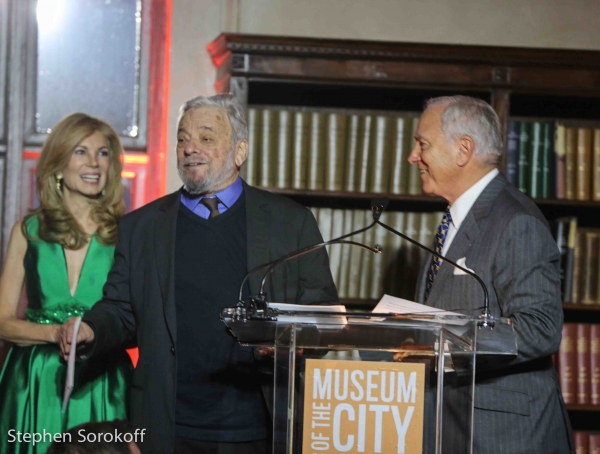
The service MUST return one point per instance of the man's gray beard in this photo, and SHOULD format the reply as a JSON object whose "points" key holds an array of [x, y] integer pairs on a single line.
{"points": [[210, 182]]}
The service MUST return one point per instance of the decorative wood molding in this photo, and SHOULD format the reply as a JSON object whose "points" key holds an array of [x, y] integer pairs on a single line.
{"points": [[381, 50]]}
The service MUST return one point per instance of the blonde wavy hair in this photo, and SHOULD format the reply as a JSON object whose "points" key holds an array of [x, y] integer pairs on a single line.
{"points": [[56, 223]]}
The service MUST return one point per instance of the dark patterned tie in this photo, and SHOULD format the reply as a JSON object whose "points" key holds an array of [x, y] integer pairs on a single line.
{"points": [[440, 237], [212, 204]]}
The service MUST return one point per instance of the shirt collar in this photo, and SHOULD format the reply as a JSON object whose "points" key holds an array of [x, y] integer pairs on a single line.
{"points": [[227, 196], [461, 206]]}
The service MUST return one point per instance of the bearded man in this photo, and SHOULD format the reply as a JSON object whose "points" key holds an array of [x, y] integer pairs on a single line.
{"points": [[178, 261]]}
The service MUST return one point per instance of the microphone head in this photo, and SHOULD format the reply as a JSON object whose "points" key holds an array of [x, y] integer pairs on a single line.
{"points": [[378, 206]]}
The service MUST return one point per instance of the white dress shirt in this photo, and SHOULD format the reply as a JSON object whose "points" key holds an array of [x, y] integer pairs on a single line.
{"points": [[461, 207]]}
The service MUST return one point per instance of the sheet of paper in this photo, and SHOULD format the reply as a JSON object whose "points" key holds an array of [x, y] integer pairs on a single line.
{"points": [[314, 319], [392, 305], [69, 382]]}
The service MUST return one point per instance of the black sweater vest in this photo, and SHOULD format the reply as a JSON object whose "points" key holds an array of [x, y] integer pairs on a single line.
{"points": [[218, 393]]}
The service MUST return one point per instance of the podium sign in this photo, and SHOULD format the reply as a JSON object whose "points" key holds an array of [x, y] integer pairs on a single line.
{"points": [[363, 406]]}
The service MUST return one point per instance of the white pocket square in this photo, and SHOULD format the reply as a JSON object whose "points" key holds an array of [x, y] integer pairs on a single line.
{"points": [[462, 262]]}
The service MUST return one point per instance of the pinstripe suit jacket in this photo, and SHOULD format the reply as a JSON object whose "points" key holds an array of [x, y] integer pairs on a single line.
{"points": [[506, 241]]}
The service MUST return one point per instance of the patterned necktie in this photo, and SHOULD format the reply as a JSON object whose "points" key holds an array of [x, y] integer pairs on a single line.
{"points": [[211, 203], [436, 262]]}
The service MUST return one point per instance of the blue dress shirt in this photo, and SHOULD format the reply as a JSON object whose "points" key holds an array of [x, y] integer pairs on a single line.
{"points": [[227, 196]]}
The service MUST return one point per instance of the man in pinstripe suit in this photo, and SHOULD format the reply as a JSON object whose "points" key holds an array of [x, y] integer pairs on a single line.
{"points": [[500, 234]]}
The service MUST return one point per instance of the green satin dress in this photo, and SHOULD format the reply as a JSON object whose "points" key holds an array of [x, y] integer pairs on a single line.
{"points": [[33, 379]]}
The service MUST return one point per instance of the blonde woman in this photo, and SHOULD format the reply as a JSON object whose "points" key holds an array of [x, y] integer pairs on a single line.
{"points": [[62, 252]]}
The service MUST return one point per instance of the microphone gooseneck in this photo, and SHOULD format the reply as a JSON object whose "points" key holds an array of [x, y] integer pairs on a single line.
{"points": [[374, 250], [271, 265], [378, 205]]}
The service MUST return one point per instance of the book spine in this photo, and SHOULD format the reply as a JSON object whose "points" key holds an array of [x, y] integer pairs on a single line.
{"points": [[560, 159], [581, 442], [316, 159], [267, 148], [577, 267], [335, 254], [301, 145], [282, 176], [344, 274], [594, 447], [570, 262], [523, 165], [367, 265], [584, 164], [535, 160], [356, 255], [399, 160], [589, 268], [512, 152], [570, 162], [560, 229], [325, 223], [548, 187], [379, 260], [254, 144], [567, 362], [336, 141], [596, 165], [583, 364], [381, 158], [354, 126], [365, 144], [595, 364]]}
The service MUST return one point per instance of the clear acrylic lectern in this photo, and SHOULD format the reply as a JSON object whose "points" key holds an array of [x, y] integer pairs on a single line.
{"points": [[373, 383]]}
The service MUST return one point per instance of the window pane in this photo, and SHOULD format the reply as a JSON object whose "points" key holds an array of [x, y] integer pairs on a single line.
{"points": [[88, 61]]}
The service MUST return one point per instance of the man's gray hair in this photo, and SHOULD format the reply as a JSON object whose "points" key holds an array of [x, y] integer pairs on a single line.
{"points": [[227, 101], [466, 116]]}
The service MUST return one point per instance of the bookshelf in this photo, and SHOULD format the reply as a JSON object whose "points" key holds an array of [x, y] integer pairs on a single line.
{"points": [[374, 79]]}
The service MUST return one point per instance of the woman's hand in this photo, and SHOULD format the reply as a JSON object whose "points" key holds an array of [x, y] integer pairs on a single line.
{"points": [[64, 336]]}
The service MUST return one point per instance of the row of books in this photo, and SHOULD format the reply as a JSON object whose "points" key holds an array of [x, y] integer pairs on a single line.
{"points": [[578, 363], [551, 160], [587, 442], [331, 150], [360, 274], [580, 261]]}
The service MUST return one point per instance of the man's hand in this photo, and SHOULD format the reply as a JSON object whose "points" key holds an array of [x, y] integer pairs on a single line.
{"points": [[64, 336], [270, 351], [413, 351]]}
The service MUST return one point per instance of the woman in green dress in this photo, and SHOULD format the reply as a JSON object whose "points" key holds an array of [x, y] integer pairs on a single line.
{"points": [[62, 251]]}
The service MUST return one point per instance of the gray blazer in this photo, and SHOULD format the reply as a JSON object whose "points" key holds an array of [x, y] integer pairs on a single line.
{"points": [[138, 307], [505, 239]]}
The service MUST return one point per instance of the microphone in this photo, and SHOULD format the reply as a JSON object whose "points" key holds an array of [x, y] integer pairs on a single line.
{"points": [[259, 302], [378, 205]]}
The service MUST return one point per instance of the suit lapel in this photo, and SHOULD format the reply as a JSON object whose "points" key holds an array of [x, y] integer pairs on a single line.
{"points": [[164, 246], [467, 235], [257, 234]]}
